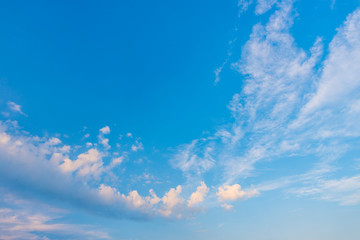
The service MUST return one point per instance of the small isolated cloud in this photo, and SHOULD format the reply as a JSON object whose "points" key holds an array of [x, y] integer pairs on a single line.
{"points": [[199, 195], [102, 140], [227, 207], [116, 161], [234, 193], [54, 141], [105, 130], [15, 107], [137, 146], [129, 135]]}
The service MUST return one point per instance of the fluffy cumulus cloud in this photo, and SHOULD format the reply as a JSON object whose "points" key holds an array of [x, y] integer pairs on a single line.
{"points": [[235, 193], [89, 163], [172, 202], [199, 195], [29, 162], [132, 201], [105, 130], [43, 165], [102, 139]]}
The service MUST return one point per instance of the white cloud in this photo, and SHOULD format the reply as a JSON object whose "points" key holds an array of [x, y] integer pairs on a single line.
{"points": [[153, 199], [102, 140], [217, 74], [105, 142], [15, 107], [89, 163], [199, 195], [264, 5], [231, 137], [4, 138], [22, 224], [340, 79], [194, 158], [244, 5], [116, 161], [135, 199], [172, 202], [275, 71], [234, 193], [47, 168], [54, 141], [137, 146], [227, 207], [38, 166], [284, 83], [345, 191], [105, 130]]}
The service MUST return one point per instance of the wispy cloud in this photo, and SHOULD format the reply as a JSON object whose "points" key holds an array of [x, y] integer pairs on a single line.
{"points": [[345, 191], [13, 107], [292, 104], [195, 158], [30, 220]]}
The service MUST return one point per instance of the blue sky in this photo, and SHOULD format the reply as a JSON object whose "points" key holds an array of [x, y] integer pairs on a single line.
{"points": [[180, 120]]}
